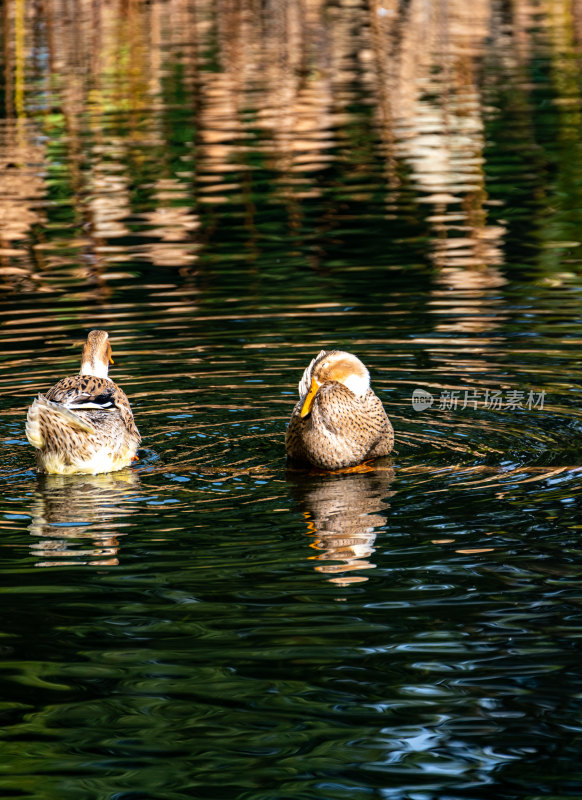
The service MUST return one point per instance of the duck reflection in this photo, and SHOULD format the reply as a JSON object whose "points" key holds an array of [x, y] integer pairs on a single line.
{"points": [[342, 513], [77, 518]]}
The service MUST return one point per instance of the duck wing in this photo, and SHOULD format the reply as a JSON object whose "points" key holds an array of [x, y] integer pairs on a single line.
{"points": [[44, 415], [87, 392]]}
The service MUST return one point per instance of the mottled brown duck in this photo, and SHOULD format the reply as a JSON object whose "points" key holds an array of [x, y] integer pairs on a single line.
{"points": [[85, 422], [338, 422]]}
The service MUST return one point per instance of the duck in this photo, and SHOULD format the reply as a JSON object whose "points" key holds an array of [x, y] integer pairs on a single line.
{"points": [[338, 421], [84, 424]]}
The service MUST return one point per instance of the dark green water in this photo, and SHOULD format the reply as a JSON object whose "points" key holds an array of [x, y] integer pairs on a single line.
{"points": [[228, 188]]}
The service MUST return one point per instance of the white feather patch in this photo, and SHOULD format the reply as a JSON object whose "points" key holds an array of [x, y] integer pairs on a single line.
{"points": [[96, 368], [89, 404], [358, 384]]}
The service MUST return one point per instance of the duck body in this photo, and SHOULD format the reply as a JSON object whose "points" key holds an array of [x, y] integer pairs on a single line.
{"points": [[84, 424], [338, 422]]}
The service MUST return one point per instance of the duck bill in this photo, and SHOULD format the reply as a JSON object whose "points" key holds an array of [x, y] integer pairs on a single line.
{"points": [[309, 398]]}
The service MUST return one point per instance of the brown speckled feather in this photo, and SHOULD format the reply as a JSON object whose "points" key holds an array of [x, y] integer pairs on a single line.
{"points": [[341, 429]]}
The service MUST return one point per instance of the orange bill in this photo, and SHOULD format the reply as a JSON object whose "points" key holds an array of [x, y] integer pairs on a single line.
{"points": [[310, 397]]}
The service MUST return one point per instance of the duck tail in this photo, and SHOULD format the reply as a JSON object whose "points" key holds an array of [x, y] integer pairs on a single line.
{"points": [[43, 414]]}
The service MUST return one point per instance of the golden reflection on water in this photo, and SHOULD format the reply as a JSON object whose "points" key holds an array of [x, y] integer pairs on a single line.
{"points": [[80, 518], [280, 81], [21, 188]]}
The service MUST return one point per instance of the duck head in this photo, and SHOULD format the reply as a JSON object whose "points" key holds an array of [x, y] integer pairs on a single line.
{"points": [[338, 366]]}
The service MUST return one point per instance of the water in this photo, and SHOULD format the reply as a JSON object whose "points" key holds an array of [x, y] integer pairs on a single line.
{"points": [[228, 188]]}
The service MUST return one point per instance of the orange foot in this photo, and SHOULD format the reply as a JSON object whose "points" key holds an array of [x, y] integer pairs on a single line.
{"points": [[135, 458], [365, 466]]}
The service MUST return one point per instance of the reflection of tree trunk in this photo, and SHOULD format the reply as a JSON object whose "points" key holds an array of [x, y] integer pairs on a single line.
{"points": [[19, 58], [441, 119], [8, 66], [577, 20], [383, 23]]}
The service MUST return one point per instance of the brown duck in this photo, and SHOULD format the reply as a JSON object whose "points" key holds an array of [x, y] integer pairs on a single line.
{"points": [[84, 423], [338, 422]]}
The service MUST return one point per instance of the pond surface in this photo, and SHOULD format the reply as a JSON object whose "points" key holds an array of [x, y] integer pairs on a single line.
{"points": [[228, 187]]}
